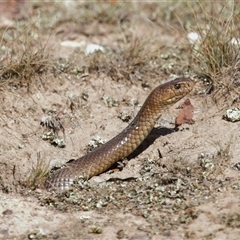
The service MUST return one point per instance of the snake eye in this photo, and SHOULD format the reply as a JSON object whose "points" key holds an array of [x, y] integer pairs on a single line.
{"points": [[177, 86]]}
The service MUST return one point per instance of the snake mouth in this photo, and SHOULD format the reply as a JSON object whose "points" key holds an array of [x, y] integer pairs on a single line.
{"points": [[173, 99]]}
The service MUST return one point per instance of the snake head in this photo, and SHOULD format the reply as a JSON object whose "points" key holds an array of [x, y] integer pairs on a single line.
{"points": [[173, 91]]}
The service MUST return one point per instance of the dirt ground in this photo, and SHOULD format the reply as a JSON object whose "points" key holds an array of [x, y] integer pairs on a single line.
{"points": [[180, 183]]}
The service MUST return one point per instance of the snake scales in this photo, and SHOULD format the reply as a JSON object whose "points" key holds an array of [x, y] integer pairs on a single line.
{"points": [[100, 159]]}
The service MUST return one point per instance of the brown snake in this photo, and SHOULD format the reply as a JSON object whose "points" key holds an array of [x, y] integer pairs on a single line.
{"points": [[100, 159]]}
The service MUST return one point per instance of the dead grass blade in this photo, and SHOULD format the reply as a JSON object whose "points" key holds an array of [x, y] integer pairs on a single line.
{"points": [[22, 55], [216, 54], [38, 174]]}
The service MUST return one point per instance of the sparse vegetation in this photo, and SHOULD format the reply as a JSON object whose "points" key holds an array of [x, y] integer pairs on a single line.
{"points": [[23, 56], [218, 37], [175, 187], [144, 43], [38, 174], [216, 52]]}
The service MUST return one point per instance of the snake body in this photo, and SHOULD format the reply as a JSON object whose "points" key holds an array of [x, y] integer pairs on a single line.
{"points": [[101, 159]]}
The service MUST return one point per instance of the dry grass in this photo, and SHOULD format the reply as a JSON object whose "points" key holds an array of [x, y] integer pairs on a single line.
{"points": [[23, 56], [38, 174], [219, 45], [133, 54], [136, 55], [216, 54]]}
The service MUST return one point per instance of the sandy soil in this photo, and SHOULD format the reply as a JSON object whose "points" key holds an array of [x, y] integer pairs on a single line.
{"points": [[178, 185]]}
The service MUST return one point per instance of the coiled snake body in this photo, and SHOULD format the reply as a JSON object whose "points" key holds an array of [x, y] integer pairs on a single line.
{"points": [[124, 143]]}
